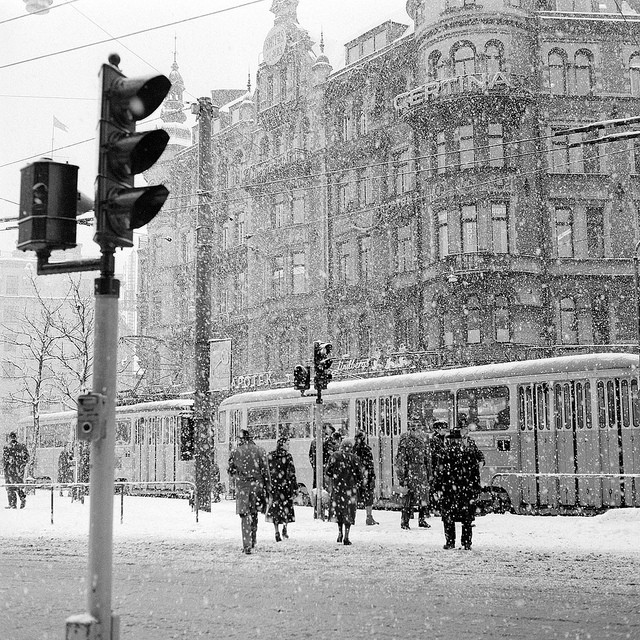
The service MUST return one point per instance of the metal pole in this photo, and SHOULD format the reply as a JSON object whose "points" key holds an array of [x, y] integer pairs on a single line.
{"points": [[204, 238], [101, 481], [317, 421]]}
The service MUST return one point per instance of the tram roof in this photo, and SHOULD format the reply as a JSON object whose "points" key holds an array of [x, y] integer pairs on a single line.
{"points": [[583, 363]]}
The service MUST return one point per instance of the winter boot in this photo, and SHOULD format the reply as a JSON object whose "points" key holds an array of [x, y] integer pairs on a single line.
{"points": [[371, 521]]}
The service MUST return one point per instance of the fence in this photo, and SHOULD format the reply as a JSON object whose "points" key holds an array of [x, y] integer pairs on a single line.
{"points": [[56, 486]]}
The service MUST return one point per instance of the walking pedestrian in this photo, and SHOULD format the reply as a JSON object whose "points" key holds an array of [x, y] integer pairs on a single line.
{"points": [[413, 464], [15, 457], [284, 487], [436, 444], [248, 463], [328, 447], [346, 476], [367, 488], [458, 485]]}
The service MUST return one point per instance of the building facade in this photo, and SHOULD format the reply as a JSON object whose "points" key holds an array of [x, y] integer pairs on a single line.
{"points": [[415, 207]]}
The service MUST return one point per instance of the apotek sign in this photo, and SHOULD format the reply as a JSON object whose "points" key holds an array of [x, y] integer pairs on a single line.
{"points": [[275, 44]]}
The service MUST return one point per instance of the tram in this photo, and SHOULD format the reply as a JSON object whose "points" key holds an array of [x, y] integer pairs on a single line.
{"points": [[549, 420], [154, 443]]}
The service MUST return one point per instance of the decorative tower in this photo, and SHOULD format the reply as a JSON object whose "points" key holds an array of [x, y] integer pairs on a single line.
{"points": [[173, 113]]}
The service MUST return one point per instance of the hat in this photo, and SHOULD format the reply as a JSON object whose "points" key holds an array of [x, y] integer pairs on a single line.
{"points": [[360, 435], [455, 433], [346, 445], [282, 440], [440, 424], [244, 433], [13, 435]]}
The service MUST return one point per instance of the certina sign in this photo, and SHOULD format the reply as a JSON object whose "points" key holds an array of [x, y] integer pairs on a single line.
{"points": [[477, 82], [275, 44]]}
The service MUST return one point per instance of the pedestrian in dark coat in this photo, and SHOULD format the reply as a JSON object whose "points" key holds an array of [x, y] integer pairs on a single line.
{"points": [[328, 447], [14, 458], [436, 444], [65, 462], [346, 475], [248, 463], [284, 487], [366, 490], [413, 465], [83, 472], [459, 487]]}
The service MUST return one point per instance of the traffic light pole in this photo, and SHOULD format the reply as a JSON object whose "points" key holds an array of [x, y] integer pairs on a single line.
{"points": [[317, 422], [202, 357]]}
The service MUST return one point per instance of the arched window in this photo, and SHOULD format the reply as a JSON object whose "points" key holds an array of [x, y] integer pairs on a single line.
{"points": [[493, 57], [472, 313], [558, 73], [434, 64], [502, 319], [583, 68], [464, 61], [568, 324], [634, 74], [345, 342]]}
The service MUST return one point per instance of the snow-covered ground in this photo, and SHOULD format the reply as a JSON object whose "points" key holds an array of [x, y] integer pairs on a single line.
{"points": [[160, 518]]}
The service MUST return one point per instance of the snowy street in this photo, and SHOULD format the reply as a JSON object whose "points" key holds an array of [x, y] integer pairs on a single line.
{"points": [[526, 577]]}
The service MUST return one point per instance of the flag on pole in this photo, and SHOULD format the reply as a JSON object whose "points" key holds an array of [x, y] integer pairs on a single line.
{"points": [[59, 125]]}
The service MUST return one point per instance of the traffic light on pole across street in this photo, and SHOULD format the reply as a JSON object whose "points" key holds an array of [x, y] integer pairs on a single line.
{"points": [[321, 364], [119, 206], [301, 378]]}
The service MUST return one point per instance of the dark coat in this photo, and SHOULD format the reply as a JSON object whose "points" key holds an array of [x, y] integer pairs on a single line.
{"points": [[65, 468], [284, 486], [14, 458], [413, 465], [346, 475], [458, 483], [362, 451], [248, 463], [328, 447]]}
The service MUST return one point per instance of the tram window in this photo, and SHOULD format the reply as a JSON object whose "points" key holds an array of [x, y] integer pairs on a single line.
{"points": [[602, 414], [390, 416], [139, 431], [337, 415], [172, 429], [427, 407], [123, 431], [624, 392], [262, 423], [558, 406], [486, 407], [294, 422], [635, 408], [542, 403], [367, 416], [611, 404]]}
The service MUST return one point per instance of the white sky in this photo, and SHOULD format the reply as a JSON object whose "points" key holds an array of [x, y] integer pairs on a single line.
{"points": [[213, 52]]}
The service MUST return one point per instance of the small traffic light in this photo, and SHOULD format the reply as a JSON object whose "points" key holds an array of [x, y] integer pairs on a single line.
{"points": [[121, 208], [301, 378], [321, 364], [48, 206]]}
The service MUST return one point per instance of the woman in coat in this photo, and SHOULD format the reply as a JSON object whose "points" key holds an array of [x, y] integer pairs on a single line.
{"points": [[458, 485], [346, 475], [284, 487]]}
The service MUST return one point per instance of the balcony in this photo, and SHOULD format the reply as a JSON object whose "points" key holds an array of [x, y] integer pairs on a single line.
{"points": [[486, 262], [292, 164]]}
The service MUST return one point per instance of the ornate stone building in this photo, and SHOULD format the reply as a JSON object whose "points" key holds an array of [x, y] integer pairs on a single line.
{"points": [[413, 207]]}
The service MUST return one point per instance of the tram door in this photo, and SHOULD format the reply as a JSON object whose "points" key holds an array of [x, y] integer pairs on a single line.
{"points": [[389, 432], [631, 444], [141, 462], [616, 440], [537, 445], [577, 445], [367, 421]]}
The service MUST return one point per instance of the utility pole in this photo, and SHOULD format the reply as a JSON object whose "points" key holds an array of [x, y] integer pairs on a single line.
{"points": [[204, 111]]}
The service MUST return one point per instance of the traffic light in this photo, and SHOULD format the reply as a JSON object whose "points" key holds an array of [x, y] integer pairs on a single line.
{"points": [[123, 153], [321, 364], [301, 378], [187, 437]]}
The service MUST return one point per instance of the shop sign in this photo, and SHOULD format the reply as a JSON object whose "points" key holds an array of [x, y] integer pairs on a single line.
{"points": [[475, 83], [275, 45], [252, 381]]}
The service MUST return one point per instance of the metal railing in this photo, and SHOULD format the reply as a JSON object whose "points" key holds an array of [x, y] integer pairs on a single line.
{"points": [[56, 486]]}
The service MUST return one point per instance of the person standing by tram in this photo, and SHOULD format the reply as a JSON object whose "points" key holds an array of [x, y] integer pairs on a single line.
{"points": [[436, 444], [363, 452], [328, 447], [413, 464], [284, 487], [15, 457], [248, 463]]}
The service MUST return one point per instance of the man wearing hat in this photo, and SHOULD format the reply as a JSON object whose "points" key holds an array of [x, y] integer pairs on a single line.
{"points": [[366, 490], [15, 457], [436, 443], [248, 463]]}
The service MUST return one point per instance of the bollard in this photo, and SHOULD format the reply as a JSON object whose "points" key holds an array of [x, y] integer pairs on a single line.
{"points": [[81, 627]]}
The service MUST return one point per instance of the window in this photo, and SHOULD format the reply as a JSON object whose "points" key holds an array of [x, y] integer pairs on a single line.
{"points": [[365, 337], [472, 315], [634, 74], [501, 319], [600, 319], [568, 324], [241, 232], [277, 277], [401, 172], [560, 159], [496, 145], [429, 406], [404, 251], [341, 196], [441, 151], [464, 61], [406, 329], [447, 328], [364, 258], [564, 232], [558, 73], [595, 232], [467, 153], [364, 189], [434, 62], [281, 214], [298, 207], [583, 73], [499, 228], [486, 407], [469, 229], [344, 259], [299, 273], [493, 57], [443, 234]]}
